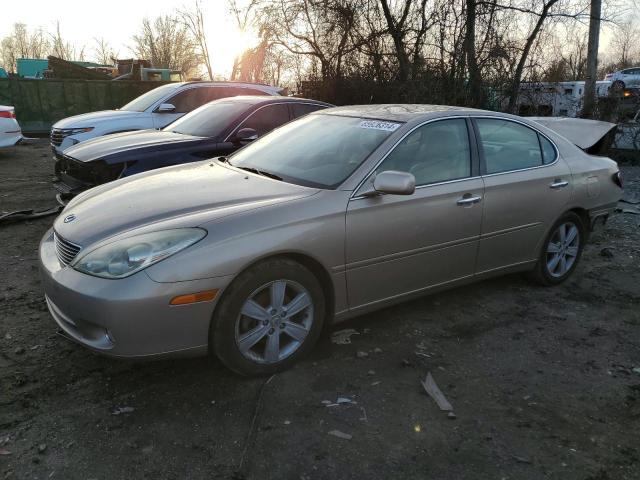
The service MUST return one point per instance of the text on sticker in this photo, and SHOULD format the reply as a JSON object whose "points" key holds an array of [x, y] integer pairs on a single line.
{"points": [[377, 125]]}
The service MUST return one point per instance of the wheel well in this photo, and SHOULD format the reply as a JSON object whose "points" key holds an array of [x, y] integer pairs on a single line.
{"points": [[315, 267], [584, 216], [321, 274]]}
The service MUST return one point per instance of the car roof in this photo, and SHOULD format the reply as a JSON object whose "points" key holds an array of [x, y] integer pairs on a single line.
{"points": [[397, 112], [259, 86], [261, 99]]}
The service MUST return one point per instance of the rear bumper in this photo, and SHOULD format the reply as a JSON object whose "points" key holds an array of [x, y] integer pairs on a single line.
{"points": [[10, 139], [129, 317]]}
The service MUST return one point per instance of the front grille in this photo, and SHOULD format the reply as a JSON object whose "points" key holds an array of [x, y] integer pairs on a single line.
{"points": [[58, 135], [65, 250], [91, 173]]}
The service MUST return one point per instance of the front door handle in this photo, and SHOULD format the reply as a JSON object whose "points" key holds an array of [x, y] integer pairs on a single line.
{"points": [[468, 199], [558, 183]]}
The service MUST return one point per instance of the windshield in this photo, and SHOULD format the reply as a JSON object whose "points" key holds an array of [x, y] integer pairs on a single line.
{"points": [[317, 150], [144, 101], [209, 120]]}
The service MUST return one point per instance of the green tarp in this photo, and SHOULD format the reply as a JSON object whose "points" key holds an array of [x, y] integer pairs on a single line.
{"points": [[39, 103]]}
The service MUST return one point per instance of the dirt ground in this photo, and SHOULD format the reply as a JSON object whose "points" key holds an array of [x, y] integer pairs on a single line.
{"points": [[542, 381]]}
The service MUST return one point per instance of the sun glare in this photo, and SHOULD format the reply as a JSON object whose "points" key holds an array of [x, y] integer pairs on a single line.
{"points": [[226, 42]]}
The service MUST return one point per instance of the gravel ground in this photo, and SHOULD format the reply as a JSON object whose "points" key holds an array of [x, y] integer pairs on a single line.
{"points": [[542, 381]]}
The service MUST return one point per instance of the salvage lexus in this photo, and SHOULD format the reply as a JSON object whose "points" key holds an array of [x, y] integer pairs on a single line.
{"points": [[332, 215]]}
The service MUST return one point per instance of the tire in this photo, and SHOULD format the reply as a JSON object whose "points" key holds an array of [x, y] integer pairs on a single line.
{"points": [[248, 324], [550, 269], [617, 86]]}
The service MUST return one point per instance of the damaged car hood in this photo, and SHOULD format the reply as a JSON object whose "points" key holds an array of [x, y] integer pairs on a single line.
{"points": [[101, 147], [172, 197], [581, 132]]}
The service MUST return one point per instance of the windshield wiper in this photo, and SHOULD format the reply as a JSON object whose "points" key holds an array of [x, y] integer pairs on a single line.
{"points": [[261, 172]]}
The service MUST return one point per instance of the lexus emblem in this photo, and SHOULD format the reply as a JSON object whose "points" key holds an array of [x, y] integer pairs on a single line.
{"points": [[69, 218]]}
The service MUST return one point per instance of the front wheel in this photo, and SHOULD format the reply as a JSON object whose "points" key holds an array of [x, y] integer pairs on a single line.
{"points": [[269, 317], [618, 86], [561, 250]]}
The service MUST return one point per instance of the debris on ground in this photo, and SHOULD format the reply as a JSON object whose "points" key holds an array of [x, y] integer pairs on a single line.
{"points": [[632, 211], [343, 337], [4, 451], [339, 401], [120, 410], [432, 389], [19, 350], [42, 448], [607, 252], [361, 354], [339, 434]]}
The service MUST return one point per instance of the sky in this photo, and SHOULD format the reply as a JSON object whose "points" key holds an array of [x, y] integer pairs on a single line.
{"points": [[118, 20]]}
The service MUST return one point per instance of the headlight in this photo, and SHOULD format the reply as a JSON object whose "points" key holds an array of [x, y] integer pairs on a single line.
{"points": [[130, 255]]}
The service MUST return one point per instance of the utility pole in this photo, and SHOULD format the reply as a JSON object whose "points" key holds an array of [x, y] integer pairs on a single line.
{"points": [[592, 59]]}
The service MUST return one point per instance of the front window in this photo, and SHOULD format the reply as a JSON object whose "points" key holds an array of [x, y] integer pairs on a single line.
{"points": [[143, 102], [210, 120], [436, 152], [316, 150]]}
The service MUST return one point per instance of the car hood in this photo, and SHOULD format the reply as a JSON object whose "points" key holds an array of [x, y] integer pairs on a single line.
{"points": [[100, 147], [581, 132], [172, 197], [91, 119]]}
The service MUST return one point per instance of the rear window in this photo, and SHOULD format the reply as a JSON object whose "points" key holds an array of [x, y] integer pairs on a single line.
{"points": [[508, 145]]}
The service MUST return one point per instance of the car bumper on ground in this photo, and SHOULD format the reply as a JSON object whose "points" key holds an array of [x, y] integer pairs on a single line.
{"points": [[129, 317]]}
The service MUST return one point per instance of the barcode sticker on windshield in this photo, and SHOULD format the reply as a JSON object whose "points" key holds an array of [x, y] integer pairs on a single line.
{"points": [[378, 125]]}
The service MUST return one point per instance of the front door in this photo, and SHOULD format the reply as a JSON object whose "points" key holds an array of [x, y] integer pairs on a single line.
{"points": [[401, 244]]}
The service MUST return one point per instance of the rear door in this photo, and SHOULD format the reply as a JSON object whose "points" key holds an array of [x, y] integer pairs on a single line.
{"points": [[397, 244], [527, 185]]}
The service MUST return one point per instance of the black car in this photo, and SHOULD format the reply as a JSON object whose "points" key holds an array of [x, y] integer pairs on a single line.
{"points": [[216, 129]]}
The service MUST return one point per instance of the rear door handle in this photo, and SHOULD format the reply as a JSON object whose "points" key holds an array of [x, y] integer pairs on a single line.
{"points": [[468, 199], [557, 183]]}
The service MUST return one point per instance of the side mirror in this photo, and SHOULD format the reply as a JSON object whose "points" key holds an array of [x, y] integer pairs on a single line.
{"points": [[166, 108], [245, 135], [393, 183]]}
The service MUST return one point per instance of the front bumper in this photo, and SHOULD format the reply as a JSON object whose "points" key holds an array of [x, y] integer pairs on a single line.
{"points": [[129, 317]]}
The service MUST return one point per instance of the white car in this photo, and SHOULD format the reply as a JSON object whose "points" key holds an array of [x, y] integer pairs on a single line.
{"points": [[10, 132], [629, 77], [154, 109]]}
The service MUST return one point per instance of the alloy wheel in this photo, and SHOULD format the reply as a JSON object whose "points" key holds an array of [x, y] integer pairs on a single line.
{"points": [[562, 249], [274, 321]]}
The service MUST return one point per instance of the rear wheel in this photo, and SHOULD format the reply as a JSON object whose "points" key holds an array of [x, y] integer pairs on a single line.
{"points": [[269, 317], [561, 250]]}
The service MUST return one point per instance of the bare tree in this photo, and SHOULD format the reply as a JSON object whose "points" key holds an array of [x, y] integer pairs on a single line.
{"points": [[194, 21], [547, 5], [62, 48], [167, 43], [103, 53], [21, 43]]}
